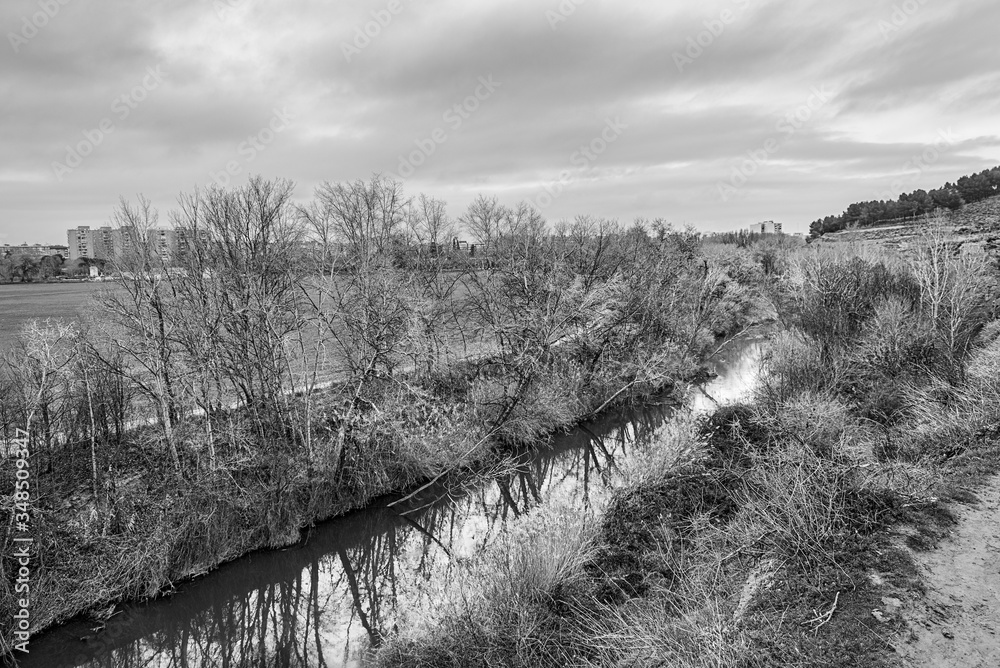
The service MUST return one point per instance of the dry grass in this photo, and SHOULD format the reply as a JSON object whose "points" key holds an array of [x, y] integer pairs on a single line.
{"points": [[504, 610], [956, 427], [687, 553], [159, 528], [746, 539]]}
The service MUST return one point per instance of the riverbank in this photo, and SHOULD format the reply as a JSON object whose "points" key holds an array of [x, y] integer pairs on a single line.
{"points": [[764, 534], [725, 547], [213, 518], [748, 538], [573, 324], [330, 597]]}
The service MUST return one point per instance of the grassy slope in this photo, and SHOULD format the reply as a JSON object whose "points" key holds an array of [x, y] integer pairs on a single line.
{"points": [[977, 225], [730, 547], [738, 546], [767, 536], [161, 531]]}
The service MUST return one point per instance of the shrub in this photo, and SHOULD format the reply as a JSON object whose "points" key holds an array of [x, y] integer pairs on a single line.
{"points": [[511, 607], [834, 297], [795, 364], [817, 422]]}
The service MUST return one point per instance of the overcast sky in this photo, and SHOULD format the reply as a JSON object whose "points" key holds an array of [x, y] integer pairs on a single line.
{"points": [[713, 114]]}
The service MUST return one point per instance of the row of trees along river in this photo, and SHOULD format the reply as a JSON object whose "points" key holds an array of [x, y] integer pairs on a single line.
{"points": [[293, 362]]}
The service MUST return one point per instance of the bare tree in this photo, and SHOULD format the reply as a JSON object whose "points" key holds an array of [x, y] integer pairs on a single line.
{"points": [[957, 289], [360, 297], [239, 294], [139, 307], [366, 217], [46, 357], [484, 219], [436, 273], [431, 229]]}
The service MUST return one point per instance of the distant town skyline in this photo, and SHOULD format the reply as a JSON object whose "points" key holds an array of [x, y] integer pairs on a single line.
{"points": [[107, 242], [716, 114]]}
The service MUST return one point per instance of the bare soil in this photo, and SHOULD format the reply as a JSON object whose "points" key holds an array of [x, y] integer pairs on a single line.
{"points": [[957, 621]]}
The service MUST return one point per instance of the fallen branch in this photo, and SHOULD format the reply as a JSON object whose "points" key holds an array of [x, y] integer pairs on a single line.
{"points": [[825, 617], [459, 462]]}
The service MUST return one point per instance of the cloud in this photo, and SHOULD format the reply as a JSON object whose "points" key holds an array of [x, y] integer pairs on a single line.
{"points": [[230, 64]]}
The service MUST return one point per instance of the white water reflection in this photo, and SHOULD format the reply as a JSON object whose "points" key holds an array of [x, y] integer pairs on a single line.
{"points": [[738, 368]]}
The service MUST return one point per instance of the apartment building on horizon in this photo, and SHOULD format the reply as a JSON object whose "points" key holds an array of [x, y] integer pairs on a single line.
{"points": [[106, 243], [33, 250], [80, 241]]}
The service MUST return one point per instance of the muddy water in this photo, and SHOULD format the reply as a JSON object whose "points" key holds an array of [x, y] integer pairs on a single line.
{"points": [[327, 601]]}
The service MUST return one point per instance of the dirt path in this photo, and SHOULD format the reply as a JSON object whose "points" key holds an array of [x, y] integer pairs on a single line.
{"points": [[957, 624]]}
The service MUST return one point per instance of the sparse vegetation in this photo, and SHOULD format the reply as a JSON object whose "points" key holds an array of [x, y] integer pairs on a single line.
{"points": [[292, 363], [760, 534]]}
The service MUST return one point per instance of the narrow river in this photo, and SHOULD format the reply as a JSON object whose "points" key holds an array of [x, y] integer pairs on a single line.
{"points": [[326, 602]]}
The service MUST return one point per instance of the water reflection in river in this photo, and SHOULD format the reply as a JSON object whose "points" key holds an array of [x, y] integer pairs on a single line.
{"points": [[326, 602]]}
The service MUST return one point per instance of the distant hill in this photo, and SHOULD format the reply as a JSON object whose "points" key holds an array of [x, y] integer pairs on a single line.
{"points": [[975, 225], [951, 196]]}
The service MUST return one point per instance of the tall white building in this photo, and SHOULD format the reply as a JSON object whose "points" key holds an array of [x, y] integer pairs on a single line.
{"points": [[96, 244], [81, 242], [163, 241]]}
